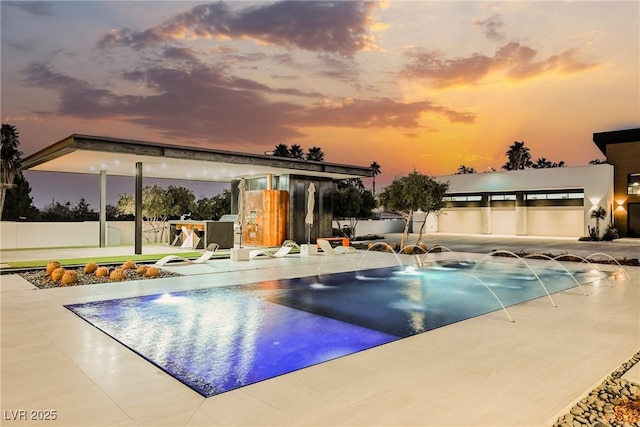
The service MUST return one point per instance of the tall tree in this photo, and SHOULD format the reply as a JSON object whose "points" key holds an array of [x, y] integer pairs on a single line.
{"points": [[83, 212], [18, 201], [281, 150], [214, 207], [375, 168], [413, 192], [316, 154], [352, 201], [180, 200], [10, 160], [462, 170], [57, 211], [296, 152], [156, 208], [518, 157]]}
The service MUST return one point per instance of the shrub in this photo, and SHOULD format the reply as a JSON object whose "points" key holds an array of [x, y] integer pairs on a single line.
{"points": [[57, 274], [611, 233], [102, 272], [90, 268], [129, 265], [117, 275], [69, 277], [152, 272], [52, 265], [142, 269]]}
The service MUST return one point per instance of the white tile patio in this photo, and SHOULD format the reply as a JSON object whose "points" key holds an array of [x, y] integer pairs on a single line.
{"points": [[484, 371]]}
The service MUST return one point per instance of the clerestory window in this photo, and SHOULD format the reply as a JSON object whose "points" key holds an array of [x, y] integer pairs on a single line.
{"points": [[633, 183]]}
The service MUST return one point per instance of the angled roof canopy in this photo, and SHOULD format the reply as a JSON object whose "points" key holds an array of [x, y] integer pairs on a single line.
{"points": [[602, 139], [92, 154]]}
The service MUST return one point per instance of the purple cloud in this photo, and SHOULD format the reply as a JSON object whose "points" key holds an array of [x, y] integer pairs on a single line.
{"points": [[37, 8], [380, 113], [204, 103], [339, 27], [491, 27], [517, 61]]}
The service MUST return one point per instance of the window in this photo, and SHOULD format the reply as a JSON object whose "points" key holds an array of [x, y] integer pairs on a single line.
{"points": [[633, 183], [502, 197], [465, 198], [555, 196]]}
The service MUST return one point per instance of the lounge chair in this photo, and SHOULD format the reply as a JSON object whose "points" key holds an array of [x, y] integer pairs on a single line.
{"points": [[338, 250], [269, 253], [206, 256]]}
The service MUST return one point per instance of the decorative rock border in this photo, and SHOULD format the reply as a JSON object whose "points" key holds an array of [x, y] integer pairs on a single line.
{"points": [[615, 402], [39, 279]]}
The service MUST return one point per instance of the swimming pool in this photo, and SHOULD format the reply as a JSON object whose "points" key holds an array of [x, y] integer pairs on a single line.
{"points": [[218, 339]]}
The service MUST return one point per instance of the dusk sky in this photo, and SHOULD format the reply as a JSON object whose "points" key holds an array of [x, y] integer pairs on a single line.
{"points": [[425, 85]]}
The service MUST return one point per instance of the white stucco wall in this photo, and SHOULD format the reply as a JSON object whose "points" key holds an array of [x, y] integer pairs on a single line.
{"points": [[19, 235], [595, 180]]}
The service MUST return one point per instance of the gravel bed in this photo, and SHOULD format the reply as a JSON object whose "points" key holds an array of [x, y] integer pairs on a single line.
{"points": [[39, 279], [615, 403]]}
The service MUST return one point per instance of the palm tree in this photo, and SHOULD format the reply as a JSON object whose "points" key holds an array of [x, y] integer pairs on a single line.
{"points": [[465, 170], [10, 160], [281, 150], [598, 213], [375, 168], [543, 163], [315, 153], [518, 157], [295, 152]]}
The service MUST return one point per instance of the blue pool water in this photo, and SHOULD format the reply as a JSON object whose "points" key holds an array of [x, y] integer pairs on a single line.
{"points": [[215, 340]]}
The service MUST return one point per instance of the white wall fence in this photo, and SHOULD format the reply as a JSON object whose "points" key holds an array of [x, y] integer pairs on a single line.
{"points": [[24, 235]]}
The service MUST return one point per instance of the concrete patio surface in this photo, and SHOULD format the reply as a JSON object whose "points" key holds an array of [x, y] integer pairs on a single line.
{"points": [[484, 371]]}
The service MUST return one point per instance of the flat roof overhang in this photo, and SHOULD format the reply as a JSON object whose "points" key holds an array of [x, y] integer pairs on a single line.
{"points": [[92, 154], [602, 139]]}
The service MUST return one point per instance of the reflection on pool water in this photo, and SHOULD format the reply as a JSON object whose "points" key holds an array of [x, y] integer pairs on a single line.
{"points": [[218, 339]]}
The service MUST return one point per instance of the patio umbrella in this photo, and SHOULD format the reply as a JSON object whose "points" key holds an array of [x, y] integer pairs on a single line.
{"points": [[311, 203], [242, 187]]}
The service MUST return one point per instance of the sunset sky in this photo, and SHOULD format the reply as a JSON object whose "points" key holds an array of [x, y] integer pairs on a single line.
{"points": [[425, 85]]}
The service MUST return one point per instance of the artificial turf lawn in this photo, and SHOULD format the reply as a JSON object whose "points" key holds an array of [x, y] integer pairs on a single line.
{"points": [[99, 260]]}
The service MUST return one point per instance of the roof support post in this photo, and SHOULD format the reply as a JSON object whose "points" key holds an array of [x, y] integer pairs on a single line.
{"points": [[138, 215], [103, 208]]}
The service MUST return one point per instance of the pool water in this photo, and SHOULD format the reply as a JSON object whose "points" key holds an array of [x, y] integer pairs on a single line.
{"points": [[218, 339]]}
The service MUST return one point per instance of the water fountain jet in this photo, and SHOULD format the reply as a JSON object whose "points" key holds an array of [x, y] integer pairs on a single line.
{"points": [[501, 251]]}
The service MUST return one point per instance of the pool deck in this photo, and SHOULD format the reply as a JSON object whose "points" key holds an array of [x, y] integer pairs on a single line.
{"points": [[484, 371]]}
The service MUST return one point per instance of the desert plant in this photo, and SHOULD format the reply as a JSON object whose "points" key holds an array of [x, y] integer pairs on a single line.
{"points": [[69, 277], [152, 272], [90, 268], [598, 213], [117, 275], [142, 269], [52, 265], [57, 274], [610, 233], [102, 272], [129, 265]]}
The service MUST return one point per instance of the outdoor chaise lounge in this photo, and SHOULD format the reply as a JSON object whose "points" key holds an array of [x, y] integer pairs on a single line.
{"points": [[338, 250], [269, 253], [206, 256]]}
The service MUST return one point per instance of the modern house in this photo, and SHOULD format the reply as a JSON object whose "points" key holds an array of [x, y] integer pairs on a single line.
{"points": [[549, 202], [622, 149], [530, 202]]}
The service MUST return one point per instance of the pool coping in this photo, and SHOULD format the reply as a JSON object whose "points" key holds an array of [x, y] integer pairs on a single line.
{"points": [[453, 377]]}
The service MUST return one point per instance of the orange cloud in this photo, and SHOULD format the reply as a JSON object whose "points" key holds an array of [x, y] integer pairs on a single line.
{"points": [[513, 60]]}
